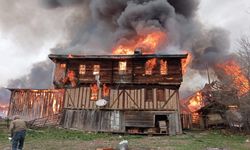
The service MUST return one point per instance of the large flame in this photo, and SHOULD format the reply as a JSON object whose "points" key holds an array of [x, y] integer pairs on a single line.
{"points": [[232, 69], [196, 102], [186, 62], [148, 43]]}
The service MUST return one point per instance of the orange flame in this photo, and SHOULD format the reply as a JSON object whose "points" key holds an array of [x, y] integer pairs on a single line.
{"points": [[105, 91], [150, 64], [71, 76], [94, 92], [186, 62], [54, 106], [163, 67], [148, 43], [196, 102], [232, 69]]}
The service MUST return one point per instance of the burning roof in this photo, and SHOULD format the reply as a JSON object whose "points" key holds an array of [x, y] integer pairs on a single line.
{"points": [[54, 57]]}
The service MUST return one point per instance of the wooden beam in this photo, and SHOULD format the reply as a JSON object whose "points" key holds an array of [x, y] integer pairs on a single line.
{"points": [[70, 98], [132, 99], [117, 98], [168, 99], [11, 96]]}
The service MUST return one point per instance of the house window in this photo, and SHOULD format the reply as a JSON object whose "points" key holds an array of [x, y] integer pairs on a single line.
{"points": [[149, 66], [94, 92], [149, 95], [63, 65], [122, 67], [163, 68], [160, 93], [96, 70], [82, 69]]}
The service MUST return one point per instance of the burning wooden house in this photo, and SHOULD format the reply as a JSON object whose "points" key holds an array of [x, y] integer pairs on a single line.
{"points": [[120, 93]]}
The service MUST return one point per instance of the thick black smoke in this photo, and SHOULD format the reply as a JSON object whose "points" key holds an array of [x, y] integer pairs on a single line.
{"points": [[95, 26]]}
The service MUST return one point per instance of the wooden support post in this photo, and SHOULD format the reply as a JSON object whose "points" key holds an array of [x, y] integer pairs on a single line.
{"points": [[10, 102], [117, 98]]}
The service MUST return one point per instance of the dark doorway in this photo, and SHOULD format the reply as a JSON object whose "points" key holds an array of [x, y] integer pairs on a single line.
{"points": [[161, 122]]}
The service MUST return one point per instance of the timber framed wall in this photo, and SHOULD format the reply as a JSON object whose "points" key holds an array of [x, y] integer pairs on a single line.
{"points": [[132, 98]]}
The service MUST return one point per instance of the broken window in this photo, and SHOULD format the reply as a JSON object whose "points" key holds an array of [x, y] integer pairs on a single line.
{"points": [[160, 93], [71, 77], [149, 95], [82, 69], [122, 67], [149, 66], [59, 74], [163, 68], [96, 70], [94, 92]]}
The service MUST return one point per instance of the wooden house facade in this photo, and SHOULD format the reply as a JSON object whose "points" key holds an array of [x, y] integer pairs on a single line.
{"points": [[120, 93]]}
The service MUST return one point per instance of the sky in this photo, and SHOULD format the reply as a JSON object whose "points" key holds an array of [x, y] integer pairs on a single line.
{"points": [[26, 39]]}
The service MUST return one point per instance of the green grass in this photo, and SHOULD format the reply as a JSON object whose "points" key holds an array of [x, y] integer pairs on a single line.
{"points": [[213, 139], [55, 138]]}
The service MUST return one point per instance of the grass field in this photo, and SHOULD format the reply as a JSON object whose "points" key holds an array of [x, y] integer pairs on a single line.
{"points": [[61, 139]]}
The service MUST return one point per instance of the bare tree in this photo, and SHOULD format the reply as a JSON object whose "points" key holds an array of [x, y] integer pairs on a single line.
{"points": [[244, 59], [244, 55]]}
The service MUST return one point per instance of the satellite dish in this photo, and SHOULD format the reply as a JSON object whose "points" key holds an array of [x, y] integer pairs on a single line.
{"points": [[101, 102]]}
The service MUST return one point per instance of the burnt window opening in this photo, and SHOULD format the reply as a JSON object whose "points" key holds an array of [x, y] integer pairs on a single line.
{"points": [[149, 95], [105, 91], [70, 78], [96, 70], [160, 94], [163, 67], [94, 92], [82, 69], [149, 66], [122, 67], [62, 66]]}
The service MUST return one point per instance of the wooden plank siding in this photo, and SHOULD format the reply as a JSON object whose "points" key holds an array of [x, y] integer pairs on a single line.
{"points": [[33, 104], [93, 120], [118, 120], [134, 99]]}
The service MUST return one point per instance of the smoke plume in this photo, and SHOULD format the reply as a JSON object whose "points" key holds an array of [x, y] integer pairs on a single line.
{"points": [[96, 26]]}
